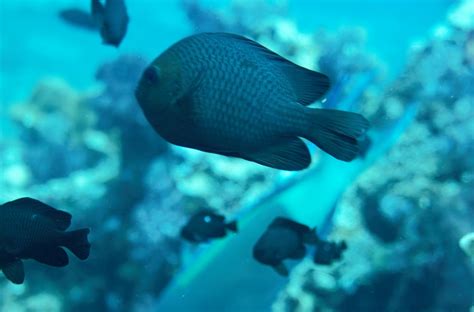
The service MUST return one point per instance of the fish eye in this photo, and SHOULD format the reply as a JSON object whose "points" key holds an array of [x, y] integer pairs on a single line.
{"points": [[151, 75]]}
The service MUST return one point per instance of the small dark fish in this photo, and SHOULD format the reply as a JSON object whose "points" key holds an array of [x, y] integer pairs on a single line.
{"points": [[226, 94], [79, 18], [283, 239], [112, 18], [206, 225], [30, 229], [328, 252]]}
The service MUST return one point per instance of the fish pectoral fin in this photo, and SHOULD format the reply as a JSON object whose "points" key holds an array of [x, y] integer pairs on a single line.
{"points": [[14, 272], [54, 256], [281, 269], [288, 154], [308, 85]]}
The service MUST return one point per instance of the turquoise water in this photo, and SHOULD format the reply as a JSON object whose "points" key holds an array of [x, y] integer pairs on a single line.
{"points": [[73, 135], [26, 32]]}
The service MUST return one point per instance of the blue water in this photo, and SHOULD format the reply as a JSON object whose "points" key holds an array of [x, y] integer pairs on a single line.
{"points": [[30, 50], [114, 174], [392, 26]]}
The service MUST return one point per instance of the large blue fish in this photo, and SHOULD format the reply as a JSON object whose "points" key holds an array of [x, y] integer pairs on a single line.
{"points": [[225, 94]]}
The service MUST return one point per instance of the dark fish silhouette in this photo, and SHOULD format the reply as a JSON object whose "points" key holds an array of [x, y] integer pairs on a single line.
{"points": [[206, 225], [283, 239], [111, 19], [225, 94], [30, 229]]}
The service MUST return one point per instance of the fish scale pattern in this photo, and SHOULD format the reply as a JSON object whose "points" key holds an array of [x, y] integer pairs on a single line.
{"points": [[242, 99], [27, 232]]}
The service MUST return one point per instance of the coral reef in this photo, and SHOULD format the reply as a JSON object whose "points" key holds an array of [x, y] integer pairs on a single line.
{"points": [[94, 154], [61, 156], [404, 216], [100, 157]]}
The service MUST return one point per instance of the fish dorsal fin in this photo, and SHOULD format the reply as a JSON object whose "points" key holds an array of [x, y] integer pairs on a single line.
{"points": [[14, 272], [290, 224], [54, 256], [308, 85], [61, 219], [211, 212]]}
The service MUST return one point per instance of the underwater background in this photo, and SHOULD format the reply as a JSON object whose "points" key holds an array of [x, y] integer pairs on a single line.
{"points": [[72, 135]]}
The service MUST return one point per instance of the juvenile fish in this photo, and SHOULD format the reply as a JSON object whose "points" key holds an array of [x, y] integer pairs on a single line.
{"points": [[283, 239], [112, 18], [30, 229], [206, 225], [226, 94]]}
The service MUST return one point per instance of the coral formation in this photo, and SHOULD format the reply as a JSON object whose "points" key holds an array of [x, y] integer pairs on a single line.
{"points": [[94, 153], [404, 216], [101, 157], [466, 243]]}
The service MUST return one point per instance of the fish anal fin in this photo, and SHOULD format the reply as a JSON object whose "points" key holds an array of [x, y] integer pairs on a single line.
{"points": [[281, 269], [14, 272], [288, 154], [54, 256]]}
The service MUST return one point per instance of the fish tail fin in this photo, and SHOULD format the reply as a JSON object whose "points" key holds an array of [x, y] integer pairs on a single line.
{"points": [[337, 132], [77, 243], [232, 226]]}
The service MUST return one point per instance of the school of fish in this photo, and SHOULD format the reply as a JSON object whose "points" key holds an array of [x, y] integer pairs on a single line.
{"points": [[220, 93]]}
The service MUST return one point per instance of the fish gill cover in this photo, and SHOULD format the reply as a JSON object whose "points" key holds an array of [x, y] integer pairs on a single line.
{"points": [[402, 207]]}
